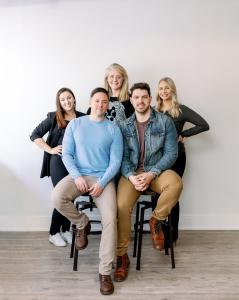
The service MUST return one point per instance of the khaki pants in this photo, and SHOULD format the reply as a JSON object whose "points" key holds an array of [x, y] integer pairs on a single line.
{"points": [[64, 194], [168, 184]]}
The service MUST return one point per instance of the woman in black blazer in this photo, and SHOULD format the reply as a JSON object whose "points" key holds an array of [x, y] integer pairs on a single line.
{"points": [[52, 165]]}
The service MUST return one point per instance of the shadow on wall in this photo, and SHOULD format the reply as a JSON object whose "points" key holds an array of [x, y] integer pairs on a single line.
{"points": [[20, 207]]}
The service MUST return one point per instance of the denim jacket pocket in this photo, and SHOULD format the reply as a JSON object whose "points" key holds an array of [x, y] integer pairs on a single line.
{"points": [[131, 138], [157, 137]]}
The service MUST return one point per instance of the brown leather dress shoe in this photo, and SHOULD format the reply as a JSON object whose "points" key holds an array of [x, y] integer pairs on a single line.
{"points": [[106, 284], [81, 240], [122, 268], [157, 234]]}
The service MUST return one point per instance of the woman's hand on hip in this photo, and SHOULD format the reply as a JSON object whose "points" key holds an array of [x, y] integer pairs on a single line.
{"points": [[57, 150]]}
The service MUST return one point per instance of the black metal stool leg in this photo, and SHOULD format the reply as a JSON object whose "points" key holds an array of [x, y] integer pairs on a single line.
{"points": [[73, 240], [167, 239], [75, 259], [171, 241], [73, 235], [136, 229], [141, 228]]}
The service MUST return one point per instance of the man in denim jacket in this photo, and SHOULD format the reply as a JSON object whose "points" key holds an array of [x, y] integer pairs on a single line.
{"points": [[150, 148]]}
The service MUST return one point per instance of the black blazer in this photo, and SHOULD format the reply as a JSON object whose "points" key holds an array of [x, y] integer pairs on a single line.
{"points": [[49, 125]]}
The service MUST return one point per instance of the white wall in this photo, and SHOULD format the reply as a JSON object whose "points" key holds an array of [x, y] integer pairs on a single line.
{"points": [[49, 44]]}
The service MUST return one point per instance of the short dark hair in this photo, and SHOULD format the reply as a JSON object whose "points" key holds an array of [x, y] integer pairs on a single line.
{"points": [[99, 90], [141, 86]]}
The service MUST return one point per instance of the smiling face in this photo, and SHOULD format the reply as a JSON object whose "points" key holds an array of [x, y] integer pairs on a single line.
{"points": [[99, 104], [67, 101], [141, 100], [164, 90], [115, 80]]}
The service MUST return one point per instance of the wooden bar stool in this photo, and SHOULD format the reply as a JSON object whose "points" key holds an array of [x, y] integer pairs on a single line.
{"points": [[139, 228], [82, 205]]}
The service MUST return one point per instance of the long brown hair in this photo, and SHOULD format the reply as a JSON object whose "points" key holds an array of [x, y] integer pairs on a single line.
{"points": [[60, 113]]}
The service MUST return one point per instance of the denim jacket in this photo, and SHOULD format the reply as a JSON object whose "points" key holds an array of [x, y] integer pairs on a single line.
{"points": [[161, 146]]}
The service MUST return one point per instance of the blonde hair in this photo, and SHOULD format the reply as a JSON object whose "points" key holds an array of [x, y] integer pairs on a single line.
{"points": [[124, 93], [175, 110]]}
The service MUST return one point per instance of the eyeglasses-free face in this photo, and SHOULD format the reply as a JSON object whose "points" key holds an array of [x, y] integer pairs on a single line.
{"points": [[115, 80], [99, 104], [140, 100], [67, 101], [164, 90]]}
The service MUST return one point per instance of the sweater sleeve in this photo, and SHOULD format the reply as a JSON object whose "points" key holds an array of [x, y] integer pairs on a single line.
{"points": [[43, 127], [194, 118], [68, 151]]}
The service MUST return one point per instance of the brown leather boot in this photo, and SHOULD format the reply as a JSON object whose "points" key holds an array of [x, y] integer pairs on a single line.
{"points": [[106, 284], [157, 234], [81, 240], [122, 267]]}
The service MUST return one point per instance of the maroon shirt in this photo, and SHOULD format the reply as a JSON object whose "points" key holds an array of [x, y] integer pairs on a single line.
{"points": [[141, 128]]}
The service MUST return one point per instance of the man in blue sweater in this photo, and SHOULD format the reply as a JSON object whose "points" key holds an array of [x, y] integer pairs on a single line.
{"points": [[92, 153]]}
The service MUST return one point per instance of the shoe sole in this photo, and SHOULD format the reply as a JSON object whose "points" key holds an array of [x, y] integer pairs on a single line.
{"points": [[106, 293], [57, 245]]}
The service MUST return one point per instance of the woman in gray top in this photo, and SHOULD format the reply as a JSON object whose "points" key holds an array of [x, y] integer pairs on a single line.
{"points": [[167, 102]]}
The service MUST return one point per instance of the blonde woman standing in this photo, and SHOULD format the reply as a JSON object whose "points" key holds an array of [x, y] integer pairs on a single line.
{"points": [[167, 102], [116, 83]]}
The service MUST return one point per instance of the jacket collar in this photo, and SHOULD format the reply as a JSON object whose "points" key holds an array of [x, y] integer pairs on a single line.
{"points": [[132, 119]]}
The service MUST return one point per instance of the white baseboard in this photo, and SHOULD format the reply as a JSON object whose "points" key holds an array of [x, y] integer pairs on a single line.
{"points": [[25, 223], [187, 222], [209, 222]]}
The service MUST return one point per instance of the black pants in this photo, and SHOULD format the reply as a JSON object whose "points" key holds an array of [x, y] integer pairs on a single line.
{"points": [[179, 168], [58, 171]]}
